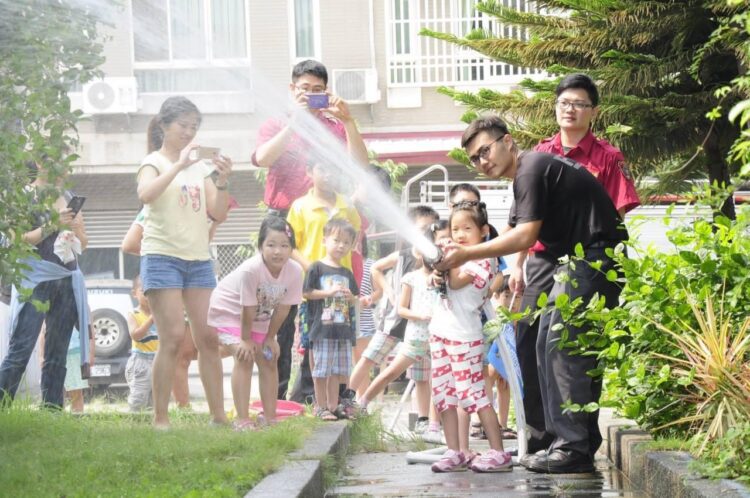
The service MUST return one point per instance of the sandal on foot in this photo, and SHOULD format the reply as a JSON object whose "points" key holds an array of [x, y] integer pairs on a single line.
{"points": [[243, 425], [508, 433], [325, 415]]}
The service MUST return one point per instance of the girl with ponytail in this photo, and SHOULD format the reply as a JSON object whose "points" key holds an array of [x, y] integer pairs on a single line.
{"points": [[176, 270]]}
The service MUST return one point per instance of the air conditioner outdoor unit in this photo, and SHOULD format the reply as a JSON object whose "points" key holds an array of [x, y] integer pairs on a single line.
{"points": [[356, 86], [110, 96]]}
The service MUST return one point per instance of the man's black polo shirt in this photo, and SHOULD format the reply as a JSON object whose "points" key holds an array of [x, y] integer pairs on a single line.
{"points": [[570, 202]]}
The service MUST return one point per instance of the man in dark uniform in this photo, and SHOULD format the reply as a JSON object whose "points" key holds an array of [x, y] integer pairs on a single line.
{"points": [[559, 203], [576, 107]]}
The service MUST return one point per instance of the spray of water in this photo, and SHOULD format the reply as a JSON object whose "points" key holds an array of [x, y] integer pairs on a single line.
{"points": [[274, 102], [327, 149]]}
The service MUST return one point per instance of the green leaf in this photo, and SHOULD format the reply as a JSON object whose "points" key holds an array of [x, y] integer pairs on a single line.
{"points": [[571, 407], [708, 266], [595, 372], [741, 107], [562, 300], [690, 257], [541, 301], [612, 275], [591, 407], [618, 129]]}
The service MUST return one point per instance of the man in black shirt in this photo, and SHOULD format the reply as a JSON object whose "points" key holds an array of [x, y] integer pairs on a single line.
{"points": [[559, 203]]}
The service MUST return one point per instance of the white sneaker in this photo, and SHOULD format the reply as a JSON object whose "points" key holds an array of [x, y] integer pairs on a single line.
{"points": [[421, 426], [433, 436]]}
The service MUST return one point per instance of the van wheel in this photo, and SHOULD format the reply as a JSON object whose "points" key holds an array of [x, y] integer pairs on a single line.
{"points": [[110, 333]]}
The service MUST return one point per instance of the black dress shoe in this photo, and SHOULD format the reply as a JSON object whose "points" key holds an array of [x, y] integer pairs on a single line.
{"points": [[561, 462], [528, 457]]}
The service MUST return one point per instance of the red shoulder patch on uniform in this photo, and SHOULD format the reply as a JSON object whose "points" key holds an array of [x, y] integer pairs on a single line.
{"points": [[625, 170]]}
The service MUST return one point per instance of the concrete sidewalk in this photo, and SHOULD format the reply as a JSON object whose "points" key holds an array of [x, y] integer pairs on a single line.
{"points": [[388, 474]]}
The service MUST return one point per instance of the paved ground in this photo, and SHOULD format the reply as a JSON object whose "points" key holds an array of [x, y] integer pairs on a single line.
{"points": [[388, 474]]}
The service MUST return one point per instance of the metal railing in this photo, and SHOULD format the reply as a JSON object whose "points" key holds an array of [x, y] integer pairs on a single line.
{"points": [[415, 60]]}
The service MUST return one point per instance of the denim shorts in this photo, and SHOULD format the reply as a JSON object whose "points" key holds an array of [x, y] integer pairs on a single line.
{"points": [[167, 272]]}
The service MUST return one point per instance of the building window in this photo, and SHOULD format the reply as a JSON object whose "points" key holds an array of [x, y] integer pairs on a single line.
{"points": [[305, 21], [191, 45], [422, 61], [402, 67]]}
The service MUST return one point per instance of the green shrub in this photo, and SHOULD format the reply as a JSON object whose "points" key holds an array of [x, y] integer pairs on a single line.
{"points": [[728, 457], [646, 368]]}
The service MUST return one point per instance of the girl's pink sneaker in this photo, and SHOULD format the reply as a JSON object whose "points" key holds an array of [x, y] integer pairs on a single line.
{"points": [[452, 461], [492, 461]]}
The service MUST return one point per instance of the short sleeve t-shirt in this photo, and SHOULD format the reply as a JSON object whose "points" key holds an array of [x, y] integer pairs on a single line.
{"points": [[177, 224], [149, 343], [308, 217], [366, 316], [572, 205], [424, 298], [406, 263], [251, 284], [602, 160], [459, 316], [330, 318], [287, 179]]}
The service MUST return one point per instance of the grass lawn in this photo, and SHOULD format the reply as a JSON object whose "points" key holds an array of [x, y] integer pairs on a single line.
{"points": [[55, 454]]}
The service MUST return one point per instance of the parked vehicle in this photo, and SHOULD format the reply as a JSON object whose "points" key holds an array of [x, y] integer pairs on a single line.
{"points": [[110, 302]]}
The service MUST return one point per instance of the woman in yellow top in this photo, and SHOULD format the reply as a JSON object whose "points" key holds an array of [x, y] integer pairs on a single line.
{"points": [[176, 270]]}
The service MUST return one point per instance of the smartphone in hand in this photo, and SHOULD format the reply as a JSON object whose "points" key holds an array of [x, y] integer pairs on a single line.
{"points": [[76, 203], [317, 100], [208, 152]]}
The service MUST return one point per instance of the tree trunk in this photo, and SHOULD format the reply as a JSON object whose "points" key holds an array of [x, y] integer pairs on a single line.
{"points": [[718, 171]]}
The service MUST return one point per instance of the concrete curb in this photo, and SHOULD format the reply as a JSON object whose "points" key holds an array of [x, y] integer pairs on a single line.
{"points": [[302, 475], [663, 473]]}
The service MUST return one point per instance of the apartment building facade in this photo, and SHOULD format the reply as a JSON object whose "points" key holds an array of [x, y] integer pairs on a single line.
{"points": [[225, 54]]}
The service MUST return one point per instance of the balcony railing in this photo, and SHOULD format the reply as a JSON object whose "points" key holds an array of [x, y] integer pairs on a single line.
{"points": [[415, 60]]}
